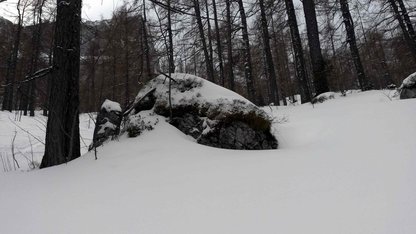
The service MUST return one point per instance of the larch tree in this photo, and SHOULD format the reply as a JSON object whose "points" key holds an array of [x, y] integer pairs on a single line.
{"points": [[271, 73], [352, 42], [298, 52], [318, 64], [248, 69], [62, 142]]}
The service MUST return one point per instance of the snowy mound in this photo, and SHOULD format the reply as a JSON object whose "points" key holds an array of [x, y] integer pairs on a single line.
{"points": [[211, 114]]}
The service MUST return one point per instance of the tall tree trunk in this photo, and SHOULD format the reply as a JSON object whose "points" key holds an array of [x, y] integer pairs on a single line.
{"points": [[146, 44], [318, 63], [230, 46], [62, 131], [411, 43], [208, 62], [12, 64], [219, 47], [298, 53], [352, 42], [407, 20], [36, 42], [170, 49], [248, 70], [209, 37], [273, 94], [126, 62]]}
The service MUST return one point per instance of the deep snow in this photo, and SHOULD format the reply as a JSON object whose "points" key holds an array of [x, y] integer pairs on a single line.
{"points": [[345, 166]]}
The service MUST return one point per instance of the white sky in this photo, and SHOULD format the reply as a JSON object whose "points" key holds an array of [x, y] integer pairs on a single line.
{"points": [[91, 9]]}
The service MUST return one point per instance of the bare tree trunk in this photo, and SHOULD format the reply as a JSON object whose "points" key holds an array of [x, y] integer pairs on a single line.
{"points": [[209, 37], [208, 62], [406, 34], [146, 44], [170, 49], [219, 47], [62, 131], [12, 64], [248, 70], [318, 63], [349, 27], [126, 62], [407, 20], [298, 53], [273, 94], [230, 46]]}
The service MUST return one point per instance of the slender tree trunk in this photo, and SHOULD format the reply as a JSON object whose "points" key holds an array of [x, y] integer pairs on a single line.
{"points": [[273, 94], [11, 66], [349, 27], [318, 63], [146, 44], [298, 53], [407, 20], [35, 57], [62, 131], [209, 37], [219, 47], [248, 70], [126, 62], [208, 62], [230, 46], [170, 49], [411, 43]]}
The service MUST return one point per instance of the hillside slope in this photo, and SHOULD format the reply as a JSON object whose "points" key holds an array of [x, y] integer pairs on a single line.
{"points": [[346, 166]]}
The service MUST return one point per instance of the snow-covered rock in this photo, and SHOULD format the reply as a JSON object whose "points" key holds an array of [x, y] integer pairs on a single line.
{"points": [[323, 97], [211, 114], [408, 87], [107, 123]]}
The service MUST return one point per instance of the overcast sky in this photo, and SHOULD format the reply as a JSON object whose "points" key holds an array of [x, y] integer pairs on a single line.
{"points": [[91, 9]]}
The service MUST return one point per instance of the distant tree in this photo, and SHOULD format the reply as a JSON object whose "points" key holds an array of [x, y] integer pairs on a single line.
{"points": [[248, 69], [318, 63], [298, 52], [271, 73], [352, 42]]}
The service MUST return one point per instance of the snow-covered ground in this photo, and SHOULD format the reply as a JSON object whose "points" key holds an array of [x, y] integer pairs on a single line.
{"points": [[347, 165]]}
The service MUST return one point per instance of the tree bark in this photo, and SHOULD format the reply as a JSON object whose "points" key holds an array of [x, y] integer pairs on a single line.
{"points": [[12, 64], [274, 93], [219, 47], [318, 63], [298, 53], [411, 43], [170, 49], [62, 131], [352, 42], [230, 74], [248, 70], [208, 62], [209, 38]]}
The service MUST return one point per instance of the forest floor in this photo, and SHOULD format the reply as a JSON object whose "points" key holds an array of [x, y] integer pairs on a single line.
{"points": [[347, 165]]}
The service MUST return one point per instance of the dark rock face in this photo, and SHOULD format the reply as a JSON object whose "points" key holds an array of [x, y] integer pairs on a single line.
{"points": [[107, 125], [408, 92], [238, 135], [189, 124], [408, 87], [221, 134]]}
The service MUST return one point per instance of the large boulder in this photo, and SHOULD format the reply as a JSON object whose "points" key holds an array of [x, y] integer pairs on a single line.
{"points": [[107, 123], [211, 114], [408, 87]]}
